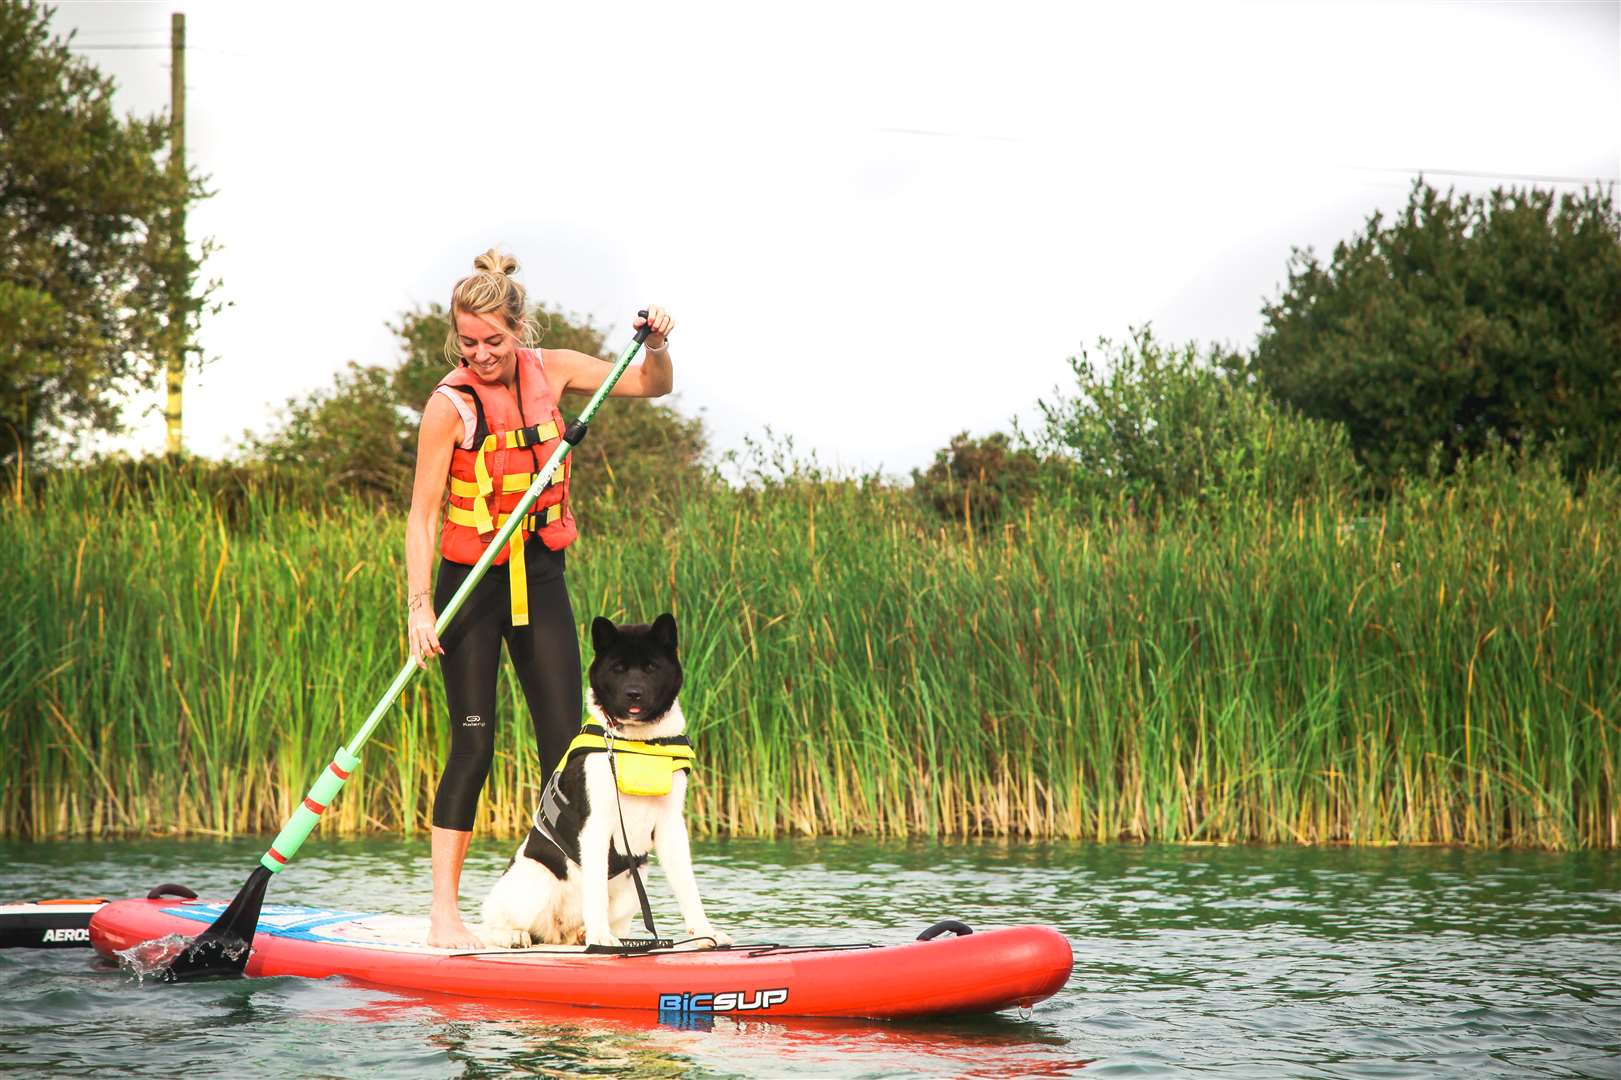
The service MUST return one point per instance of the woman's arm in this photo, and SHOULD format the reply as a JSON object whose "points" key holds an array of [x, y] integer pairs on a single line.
{"points": [[578, 373], [436, 438]]}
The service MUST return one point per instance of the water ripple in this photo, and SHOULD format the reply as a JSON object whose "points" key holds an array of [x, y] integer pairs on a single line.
{"points": [[1233, 961]]}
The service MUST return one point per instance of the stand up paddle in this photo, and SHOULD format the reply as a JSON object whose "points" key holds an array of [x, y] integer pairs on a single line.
{"points": [[222, 949]]}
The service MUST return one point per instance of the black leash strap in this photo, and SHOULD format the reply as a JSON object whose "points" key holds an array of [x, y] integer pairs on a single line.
{"points": [[635, 875]]}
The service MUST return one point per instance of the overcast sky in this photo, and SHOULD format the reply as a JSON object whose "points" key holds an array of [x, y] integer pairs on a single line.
{"points": [[877, 224]]}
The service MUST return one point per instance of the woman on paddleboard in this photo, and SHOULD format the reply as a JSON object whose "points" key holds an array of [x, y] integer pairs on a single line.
{"points": [[487, 428]]}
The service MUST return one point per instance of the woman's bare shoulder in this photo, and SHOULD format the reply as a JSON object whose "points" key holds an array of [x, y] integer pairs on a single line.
{"points": [[440, 416], [562, 367]]}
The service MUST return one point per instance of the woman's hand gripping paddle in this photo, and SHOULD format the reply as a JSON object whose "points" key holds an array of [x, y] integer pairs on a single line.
{"points": [[223, 948]]}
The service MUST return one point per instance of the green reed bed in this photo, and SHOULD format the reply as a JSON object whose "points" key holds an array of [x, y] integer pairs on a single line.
{"points": [[1438, 670]]}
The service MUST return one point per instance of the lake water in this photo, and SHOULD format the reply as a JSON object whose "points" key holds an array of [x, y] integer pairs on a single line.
{"points": [[1228, 961]]}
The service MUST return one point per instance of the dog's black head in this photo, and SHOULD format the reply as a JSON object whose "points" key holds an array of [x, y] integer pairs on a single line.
{"points": [[635, 674]]}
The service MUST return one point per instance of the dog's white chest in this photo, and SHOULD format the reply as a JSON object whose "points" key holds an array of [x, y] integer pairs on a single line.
{"points": [[632, 818]]}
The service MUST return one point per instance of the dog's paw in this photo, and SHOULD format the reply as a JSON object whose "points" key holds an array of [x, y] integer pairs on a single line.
{"points": [[504, 939], [720, 937], [604, 938]]}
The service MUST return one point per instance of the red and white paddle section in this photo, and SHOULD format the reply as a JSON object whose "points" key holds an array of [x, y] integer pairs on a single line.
{"points": [[979, 972]]}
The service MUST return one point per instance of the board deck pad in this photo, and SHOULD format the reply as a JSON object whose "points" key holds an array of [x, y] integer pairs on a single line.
{"points": [[370, 930]]}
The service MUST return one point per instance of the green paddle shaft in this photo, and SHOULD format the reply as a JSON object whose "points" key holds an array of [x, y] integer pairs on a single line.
{"points": [[347, 759]]}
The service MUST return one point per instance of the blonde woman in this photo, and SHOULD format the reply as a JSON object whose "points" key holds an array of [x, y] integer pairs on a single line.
{"points": [[487, 428]]}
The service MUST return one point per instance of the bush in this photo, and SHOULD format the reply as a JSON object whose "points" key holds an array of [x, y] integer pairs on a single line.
{"points": [[980, 482], [1158, 427]]}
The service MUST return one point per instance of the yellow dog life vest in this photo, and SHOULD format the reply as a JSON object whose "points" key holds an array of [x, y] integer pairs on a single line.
{"points": [[640, 768]]}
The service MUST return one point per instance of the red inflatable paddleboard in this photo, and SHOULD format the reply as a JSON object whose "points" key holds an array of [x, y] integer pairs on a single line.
{"points": [[974, 973]]}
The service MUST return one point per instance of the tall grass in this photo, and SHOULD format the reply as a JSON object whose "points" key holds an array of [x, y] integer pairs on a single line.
{"points": [[1441, 670]]}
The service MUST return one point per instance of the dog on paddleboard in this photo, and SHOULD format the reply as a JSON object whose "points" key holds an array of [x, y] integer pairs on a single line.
{"points": [[618, 794]]}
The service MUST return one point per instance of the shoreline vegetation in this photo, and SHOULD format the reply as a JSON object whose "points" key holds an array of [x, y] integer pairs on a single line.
{"points": [[186, 645], [1353, 584]]}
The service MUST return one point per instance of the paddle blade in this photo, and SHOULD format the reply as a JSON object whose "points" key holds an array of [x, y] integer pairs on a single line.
{"points": [[222, 950]]}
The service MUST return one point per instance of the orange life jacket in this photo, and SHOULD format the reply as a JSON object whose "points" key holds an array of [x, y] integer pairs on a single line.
{"points": [[506, 438]]}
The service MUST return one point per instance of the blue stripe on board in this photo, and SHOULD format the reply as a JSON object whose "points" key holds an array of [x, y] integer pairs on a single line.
{"points": [[277, 920]]}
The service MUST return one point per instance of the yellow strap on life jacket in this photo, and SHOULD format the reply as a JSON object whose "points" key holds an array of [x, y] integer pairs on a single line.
{"points": [[481, 518], [511, 440], [537, 519], [510, 483], [518, 439], [517, 578], [486, 486], [640, 768]]}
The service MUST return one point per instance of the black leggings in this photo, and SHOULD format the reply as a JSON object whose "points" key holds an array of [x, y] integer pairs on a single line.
{"points": [[545, 654]]}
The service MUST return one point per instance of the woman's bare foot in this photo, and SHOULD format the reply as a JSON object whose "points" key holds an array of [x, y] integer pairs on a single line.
{"points": [[447, 931]]}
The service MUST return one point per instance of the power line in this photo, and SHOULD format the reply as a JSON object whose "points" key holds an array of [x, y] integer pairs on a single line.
{"points": [[1467, 174], [1460, 173]]}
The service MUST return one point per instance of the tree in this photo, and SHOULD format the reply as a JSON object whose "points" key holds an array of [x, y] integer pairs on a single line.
{"points": [[361, 432], [1463, 322], [1153, 426], [86, 268]]}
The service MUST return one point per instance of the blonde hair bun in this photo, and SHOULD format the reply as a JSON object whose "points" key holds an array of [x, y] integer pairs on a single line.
{"points": [[491, 289], [494, 262]]}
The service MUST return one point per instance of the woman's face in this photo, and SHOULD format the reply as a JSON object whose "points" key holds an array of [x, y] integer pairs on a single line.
{"points": [[488, 345]]}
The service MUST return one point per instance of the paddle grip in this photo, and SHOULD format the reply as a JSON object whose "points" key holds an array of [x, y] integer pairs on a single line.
{"points": [[647, 328], [308, 815]]}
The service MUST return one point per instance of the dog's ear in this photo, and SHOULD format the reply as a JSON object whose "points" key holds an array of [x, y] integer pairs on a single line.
{"points": [[664, 631], [603, 634]]}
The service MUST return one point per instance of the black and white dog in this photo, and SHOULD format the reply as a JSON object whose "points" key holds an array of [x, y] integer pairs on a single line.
{"points": [[624, 777]]}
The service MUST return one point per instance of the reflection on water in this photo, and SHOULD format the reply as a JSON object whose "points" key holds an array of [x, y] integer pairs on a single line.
{"points": [[1242, 961]]}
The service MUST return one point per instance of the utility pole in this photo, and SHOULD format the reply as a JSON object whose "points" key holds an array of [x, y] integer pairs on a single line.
{"points": [[177, 171]]}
